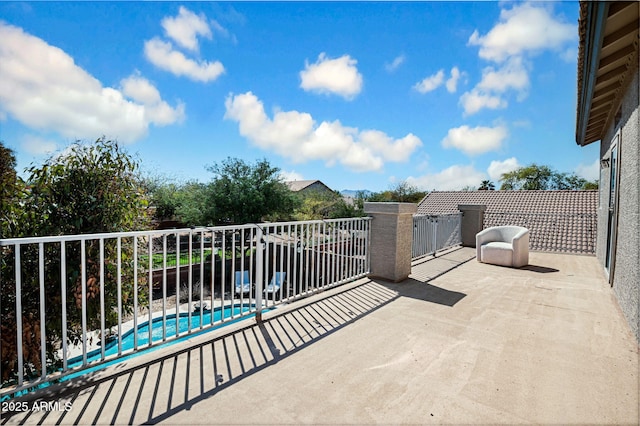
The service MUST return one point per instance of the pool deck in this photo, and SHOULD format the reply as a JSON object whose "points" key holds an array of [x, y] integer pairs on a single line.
{"points": [[459, 342]]}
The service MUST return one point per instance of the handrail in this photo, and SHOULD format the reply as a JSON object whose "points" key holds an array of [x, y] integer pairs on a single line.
{"points": [[84, 295], [432, 233]]}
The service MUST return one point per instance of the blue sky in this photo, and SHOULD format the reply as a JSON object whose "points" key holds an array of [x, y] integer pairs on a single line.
{"points": [[358, 95]]}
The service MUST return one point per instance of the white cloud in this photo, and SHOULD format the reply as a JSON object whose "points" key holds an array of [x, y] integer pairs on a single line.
{"points": [[164, 56], [290, 175], [523, 29], [185, 28], [452, 82], [495, 82], [295, 135], [44, 89], [141, 90], [37, 146], [452, 178], [430, 83], [497, 168], [589, 171], [476, 140], [436, 80], [396, 150], [338, 76], [476, 100], [511, 76], [395, 64]]}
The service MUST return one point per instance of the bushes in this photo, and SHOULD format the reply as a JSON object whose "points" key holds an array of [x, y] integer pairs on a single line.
{"points": [[91, 188]]}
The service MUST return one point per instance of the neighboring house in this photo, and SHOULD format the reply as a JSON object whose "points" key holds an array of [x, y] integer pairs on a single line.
{"points": [[607, 111], [559, 221], [307, 186]]}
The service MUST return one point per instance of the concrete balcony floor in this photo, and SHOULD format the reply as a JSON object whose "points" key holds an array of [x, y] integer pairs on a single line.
{"points": [[459, 342]]}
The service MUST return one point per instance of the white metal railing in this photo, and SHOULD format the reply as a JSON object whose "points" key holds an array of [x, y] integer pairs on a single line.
{"points": [[434, 233], [564, 233], [68, 303]]}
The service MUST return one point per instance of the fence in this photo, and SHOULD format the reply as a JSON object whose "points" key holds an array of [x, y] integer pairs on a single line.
{"points": [[68, 303], [564, 233], [434, 233]]}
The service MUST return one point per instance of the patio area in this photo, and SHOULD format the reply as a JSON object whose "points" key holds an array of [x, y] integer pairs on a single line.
{"points": [[459, 342]]}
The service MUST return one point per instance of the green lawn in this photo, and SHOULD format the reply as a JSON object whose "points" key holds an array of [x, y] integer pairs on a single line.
{"points": [[172, 258], [196, 257]]}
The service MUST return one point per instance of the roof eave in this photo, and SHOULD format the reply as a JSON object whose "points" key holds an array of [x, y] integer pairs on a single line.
{"points": [[589, 50]]}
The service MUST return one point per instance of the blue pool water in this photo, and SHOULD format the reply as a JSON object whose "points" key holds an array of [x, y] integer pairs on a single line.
{"points": [[111, 347]]}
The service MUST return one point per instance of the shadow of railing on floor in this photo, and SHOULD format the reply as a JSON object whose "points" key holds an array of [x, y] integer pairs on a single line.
{"points": [[154, 391]]}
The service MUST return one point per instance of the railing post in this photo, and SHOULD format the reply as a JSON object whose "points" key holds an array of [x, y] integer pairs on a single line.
{"points": [[391, 239], [434, 221], [259, 272]]}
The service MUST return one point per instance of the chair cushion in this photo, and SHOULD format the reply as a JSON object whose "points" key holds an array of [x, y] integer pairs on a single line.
{"points": [[497, 253]]}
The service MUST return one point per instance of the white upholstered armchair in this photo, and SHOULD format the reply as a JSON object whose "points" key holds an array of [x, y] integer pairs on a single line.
{"points": [[503, 245]]}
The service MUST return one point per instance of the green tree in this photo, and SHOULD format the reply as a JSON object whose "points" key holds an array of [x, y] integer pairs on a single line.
{"points": [[163, 197], [487, 185], [91, 188], [536, 177], [185, 203], [10, 192], [192, 206], [402, 192], [532, 177], [316, 205], [247, 193]]}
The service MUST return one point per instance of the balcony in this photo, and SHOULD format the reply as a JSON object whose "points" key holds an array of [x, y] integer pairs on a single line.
{"points": [[457, 342]]}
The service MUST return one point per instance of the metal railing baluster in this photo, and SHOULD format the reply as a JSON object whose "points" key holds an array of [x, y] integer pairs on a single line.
{"points": [[314, 255], [102, 311], [43, 348], [119, 290]]}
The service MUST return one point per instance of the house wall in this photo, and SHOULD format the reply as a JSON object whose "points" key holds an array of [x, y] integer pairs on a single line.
{"points": [[316, 186], [626, 277]]}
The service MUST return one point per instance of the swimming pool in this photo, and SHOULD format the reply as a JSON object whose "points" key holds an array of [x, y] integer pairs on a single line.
{"points": [[170, 323], [111, 347]]}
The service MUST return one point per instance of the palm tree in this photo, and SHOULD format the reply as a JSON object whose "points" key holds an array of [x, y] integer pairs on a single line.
{"points": [[487, 185]]}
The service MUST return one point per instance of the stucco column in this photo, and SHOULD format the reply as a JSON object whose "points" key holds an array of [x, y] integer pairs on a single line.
{"points": [[391, 239], [472, 222]]}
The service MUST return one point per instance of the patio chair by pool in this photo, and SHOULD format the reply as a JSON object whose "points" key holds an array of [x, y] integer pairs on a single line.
{"points": [[503, 245], [243, 283], [276, 283]]}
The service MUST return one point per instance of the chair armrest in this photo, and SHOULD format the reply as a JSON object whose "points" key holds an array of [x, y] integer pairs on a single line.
{"points": [[520, 244], [486, 235], [521, 239]]}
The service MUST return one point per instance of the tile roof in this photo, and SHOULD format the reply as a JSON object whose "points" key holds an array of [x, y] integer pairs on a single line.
{"points": [[552, 202], [299, 185], [558, 221]]}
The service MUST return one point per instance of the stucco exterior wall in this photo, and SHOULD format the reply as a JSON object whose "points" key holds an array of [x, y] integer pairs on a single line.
{"points": [[626, 275]]}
